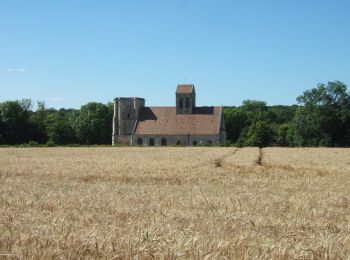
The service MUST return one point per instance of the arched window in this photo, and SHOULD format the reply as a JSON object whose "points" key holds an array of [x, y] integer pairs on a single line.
{"points": [[194, 142], [151, 142], [181, 104], [187, 103], [164, 141], [139, 141]]}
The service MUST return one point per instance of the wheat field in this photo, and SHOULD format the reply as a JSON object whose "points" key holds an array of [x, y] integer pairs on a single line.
{"points": [[174, 203]]}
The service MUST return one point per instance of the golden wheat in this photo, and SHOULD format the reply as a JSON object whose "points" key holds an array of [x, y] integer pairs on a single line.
{"points": [[166, 203]]}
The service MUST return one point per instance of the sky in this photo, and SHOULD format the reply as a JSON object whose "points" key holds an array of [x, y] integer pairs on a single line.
{"points": [[68, 53]]}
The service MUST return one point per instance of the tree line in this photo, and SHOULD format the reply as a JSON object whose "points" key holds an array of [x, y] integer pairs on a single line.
{"points": [[19, 124], [321, 118]]}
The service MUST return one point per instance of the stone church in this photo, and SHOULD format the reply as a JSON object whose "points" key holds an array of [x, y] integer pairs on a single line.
{"points": [[184, 124]]}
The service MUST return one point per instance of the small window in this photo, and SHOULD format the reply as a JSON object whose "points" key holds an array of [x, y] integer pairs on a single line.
{"points": [[181, 105], [187, 103], [209, 142], [178, 142], [163, 141], [128, 116], [151, 142], [139, 141], [194, 142]]}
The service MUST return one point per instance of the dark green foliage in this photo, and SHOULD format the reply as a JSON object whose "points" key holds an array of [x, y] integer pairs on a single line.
{"points": [[283, 135], [282, 114], [92, 124], [324, 117], [37, 119], [235, 121], [255, 111], [255, 123], [260, 134], [15, 122], [321, 119], [58, 129]]}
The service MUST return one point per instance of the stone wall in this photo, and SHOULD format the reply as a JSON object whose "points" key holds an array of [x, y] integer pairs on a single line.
{"points": [[173, 140], [126, 113]]}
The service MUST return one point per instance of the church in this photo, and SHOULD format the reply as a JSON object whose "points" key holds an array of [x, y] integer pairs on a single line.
{"points": [[184, 124]]}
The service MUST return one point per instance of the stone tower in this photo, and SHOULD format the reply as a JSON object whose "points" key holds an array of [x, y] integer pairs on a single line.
{"points": [[185, 99], [126, 114]]}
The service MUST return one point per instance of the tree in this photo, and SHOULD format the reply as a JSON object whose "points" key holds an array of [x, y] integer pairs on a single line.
{"points": [[58, 129], [255, 110], [2, 130], [282, 114], [235, 121], [92, 124], [15, 124], [283, 135], [37, 122], [324, 116], [260, 134]]}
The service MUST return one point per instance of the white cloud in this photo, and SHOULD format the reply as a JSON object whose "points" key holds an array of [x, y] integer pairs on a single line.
{"points": [[16, 70], [57, 99]]}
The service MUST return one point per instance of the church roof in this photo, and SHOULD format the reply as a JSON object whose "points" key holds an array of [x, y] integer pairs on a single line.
{"points": [[165, 121], [185, 89]]}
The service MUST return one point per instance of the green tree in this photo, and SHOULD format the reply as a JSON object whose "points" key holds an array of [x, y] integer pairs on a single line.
{"points": [[283, 135], [2, 130], [58, 129], [260, 134], [282, 114], [92, 124], [15, 123], [37, 121], [235, 121], [255, 111], [324, 116]]}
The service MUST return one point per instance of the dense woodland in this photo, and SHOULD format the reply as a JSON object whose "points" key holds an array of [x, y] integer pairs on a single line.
{"points": [[321, 118]]}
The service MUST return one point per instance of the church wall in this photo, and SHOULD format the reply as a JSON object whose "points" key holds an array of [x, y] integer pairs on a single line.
{"points": [[222, 136], [126, 113], [173, 139], [222, 130]]}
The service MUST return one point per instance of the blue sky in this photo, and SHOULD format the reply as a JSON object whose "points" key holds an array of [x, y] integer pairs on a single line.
{"points": [[68, 53]]}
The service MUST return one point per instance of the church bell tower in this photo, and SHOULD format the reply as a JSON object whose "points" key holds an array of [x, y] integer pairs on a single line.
{"points": [[185, 99], [126, 114]]}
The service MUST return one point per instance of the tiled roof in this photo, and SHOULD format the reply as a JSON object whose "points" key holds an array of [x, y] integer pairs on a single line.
{"points": [[165, 121], [184, 89]]}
